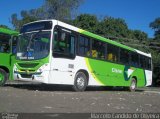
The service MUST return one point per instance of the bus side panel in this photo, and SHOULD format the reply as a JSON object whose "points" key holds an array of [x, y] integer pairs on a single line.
{"points": [[106, 73], [60, 72], [63, 70], [101, 73], [139, 75], [111, 74]]}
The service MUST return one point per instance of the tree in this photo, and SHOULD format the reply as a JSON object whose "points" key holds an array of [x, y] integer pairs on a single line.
{"points": [[4, 26], [156, 26], [26, 17], [87, 22], [139, 35], [113, 27], [51, 9], [60, 9]]}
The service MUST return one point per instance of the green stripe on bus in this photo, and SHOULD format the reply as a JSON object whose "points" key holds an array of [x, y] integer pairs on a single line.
{"points": [[91, 71]]}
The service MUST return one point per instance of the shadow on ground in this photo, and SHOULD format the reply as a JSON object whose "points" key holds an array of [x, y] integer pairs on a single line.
{"points": [[45, 87]]}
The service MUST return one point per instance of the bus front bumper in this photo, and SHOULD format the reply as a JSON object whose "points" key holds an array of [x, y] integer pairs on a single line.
{"points": [[33, 77]]}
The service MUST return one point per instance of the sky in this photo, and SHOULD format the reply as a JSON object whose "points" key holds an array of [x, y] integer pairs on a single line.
{"points": [[138, 14]]}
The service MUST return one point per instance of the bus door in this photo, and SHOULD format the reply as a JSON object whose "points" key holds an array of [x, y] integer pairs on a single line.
{"points": [[13, 52], [62, 64]]}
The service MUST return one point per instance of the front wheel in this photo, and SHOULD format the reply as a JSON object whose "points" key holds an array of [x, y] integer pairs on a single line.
{"points": [[80, 82], [133, 85], [3, 77]]}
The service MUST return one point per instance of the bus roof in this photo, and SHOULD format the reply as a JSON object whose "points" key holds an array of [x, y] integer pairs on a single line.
{"points": [[8, 31], [73, 28]]}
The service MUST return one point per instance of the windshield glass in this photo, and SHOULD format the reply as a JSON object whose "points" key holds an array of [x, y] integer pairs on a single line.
{"points": [[33, 46]]}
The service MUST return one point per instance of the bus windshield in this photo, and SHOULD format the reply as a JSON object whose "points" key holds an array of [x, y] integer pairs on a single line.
{"points": [[33, 46]]}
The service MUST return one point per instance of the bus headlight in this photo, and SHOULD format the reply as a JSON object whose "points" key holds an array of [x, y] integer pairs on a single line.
{"points": [[42, 68]]}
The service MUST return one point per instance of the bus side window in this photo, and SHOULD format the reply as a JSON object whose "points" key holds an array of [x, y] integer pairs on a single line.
{"points": [[84, 46], [112, 53], [63, 44], [98, 49], [142, 62], [124, 56], [59, 42], [147, 63], [134, 60]]}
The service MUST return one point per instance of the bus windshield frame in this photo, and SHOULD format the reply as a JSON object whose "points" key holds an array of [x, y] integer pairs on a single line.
{"points": [[34, 45]]}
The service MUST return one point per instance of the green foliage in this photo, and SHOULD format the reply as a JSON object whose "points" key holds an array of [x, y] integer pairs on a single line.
{"points": [[156, 57], [139, 35], [51, 9], [156, 26], [87, 22], [112, 27], [26, 17], [108, 27], [4, 26], [60, 9]]}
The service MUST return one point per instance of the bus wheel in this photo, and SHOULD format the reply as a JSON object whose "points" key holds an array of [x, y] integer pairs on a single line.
{"points": [[3, 77], [133, 85], [80, 82]]}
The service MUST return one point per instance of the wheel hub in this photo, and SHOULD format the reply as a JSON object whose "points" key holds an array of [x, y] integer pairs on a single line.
{"points": [[133, 85], [80, 82]]}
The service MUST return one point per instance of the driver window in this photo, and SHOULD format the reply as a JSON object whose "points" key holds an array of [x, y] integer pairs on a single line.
{"points": [[63, 44], [4, 43]]}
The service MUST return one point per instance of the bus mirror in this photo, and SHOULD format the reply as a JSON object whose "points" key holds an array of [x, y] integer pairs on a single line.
{"points": [[14, 39]]}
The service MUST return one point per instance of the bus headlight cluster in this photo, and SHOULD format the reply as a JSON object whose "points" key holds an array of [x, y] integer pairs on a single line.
{"points": [[42, 68]]}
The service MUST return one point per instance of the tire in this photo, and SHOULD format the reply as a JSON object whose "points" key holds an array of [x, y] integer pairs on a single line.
{"points": [[133, 85], [80, 82], [3, 77]]}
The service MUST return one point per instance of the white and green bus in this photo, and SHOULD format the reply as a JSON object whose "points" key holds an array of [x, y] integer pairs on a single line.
{"points": [[53, 52]]}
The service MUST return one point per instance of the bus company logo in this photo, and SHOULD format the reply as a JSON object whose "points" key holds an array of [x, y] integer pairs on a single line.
{"points": [[27, 71], [128, 71], [114, 70]]}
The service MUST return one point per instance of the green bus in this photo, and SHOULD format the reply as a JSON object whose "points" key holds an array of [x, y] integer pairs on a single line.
{"points": [[7, 54], [53, 52]]}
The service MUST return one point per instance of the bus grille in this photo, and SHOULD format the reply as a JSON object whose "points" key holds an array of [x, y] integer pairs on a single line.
{"points": [[28, 65], [26, 75]]}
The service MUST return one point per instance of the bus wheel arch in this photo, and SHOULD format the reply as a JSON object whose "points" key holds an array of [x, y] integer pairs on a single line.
{"points": [[134, 77], [3, 75], [133, 84], [80, 80], [5, 69]]}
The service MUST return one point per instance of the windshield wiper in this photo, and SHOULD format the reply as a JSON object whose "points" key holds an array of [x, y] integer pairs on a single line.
{"points": [[30, 40]]}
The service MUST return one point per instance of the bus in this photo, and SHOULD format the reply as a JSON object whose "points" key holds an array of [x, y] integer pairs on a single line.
{"points": [[53, 52], [7, 54]]}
